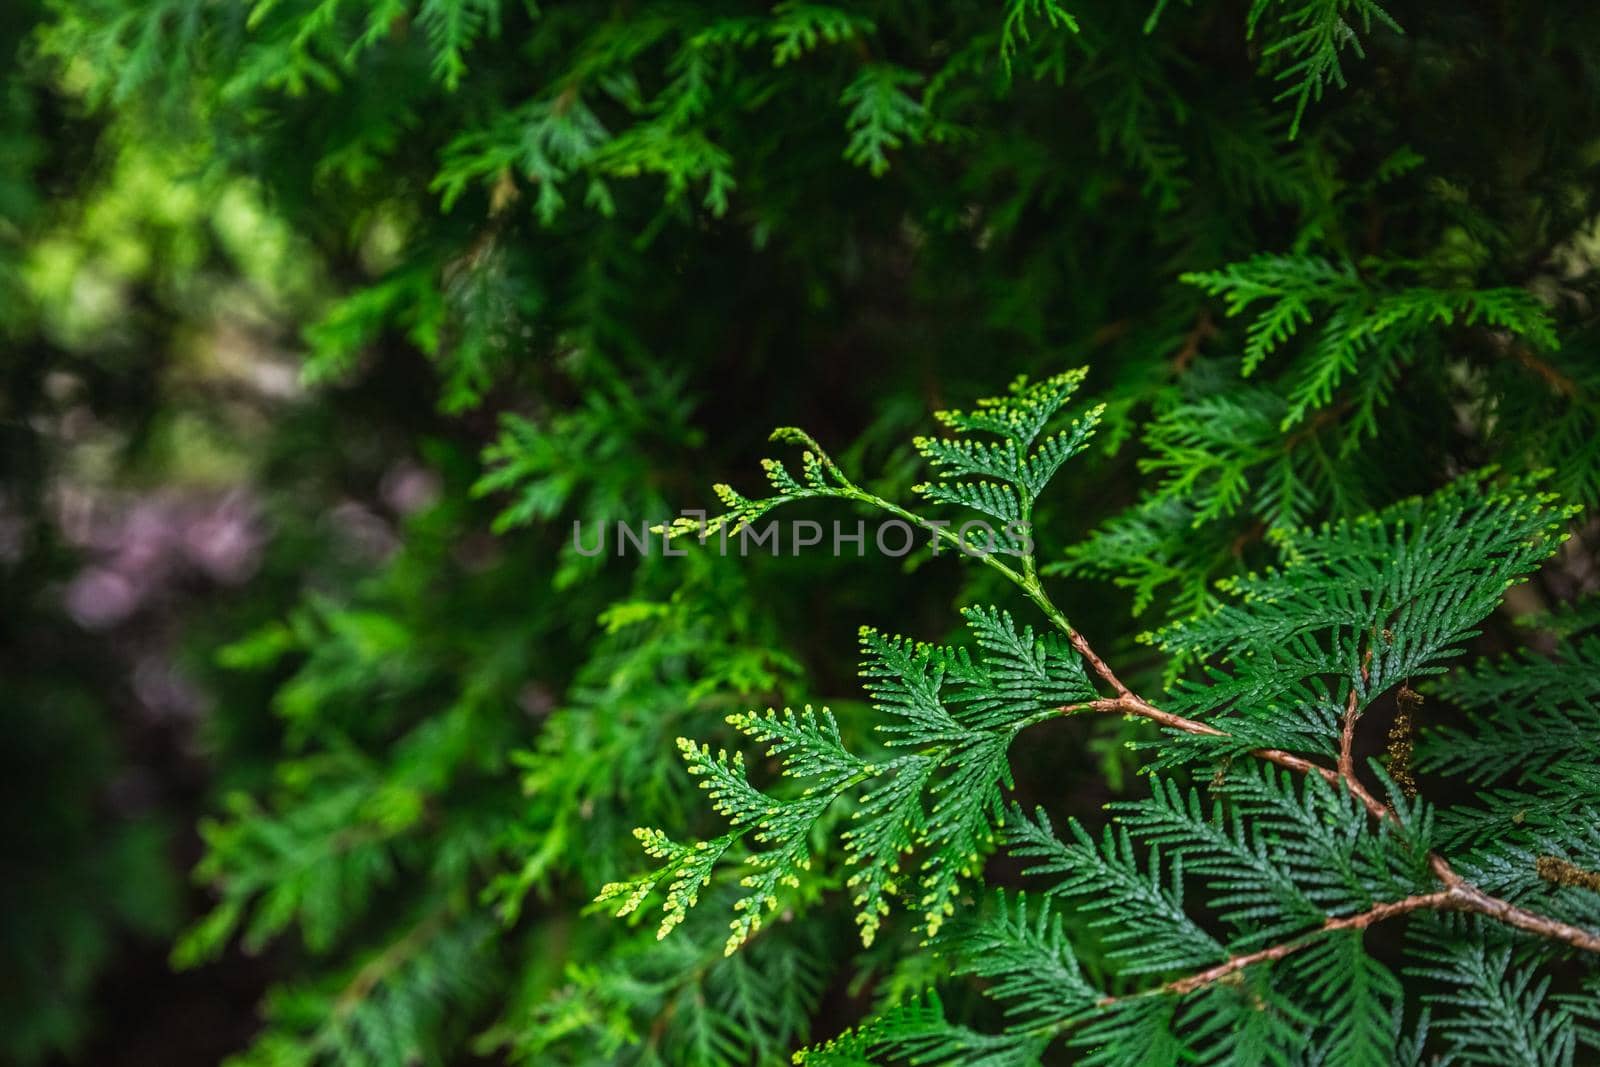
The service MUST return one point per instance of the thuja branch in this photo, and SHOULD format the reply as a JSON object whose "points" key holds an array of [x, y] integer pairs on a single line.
{"points": [[1023, 467], [1458, 895]]}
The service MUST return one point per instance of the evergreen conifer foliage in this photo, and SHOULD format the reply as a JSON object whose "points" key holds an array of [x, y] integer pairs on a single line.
{"points": [[1335, 261], [954, 711], [1226, 911]]}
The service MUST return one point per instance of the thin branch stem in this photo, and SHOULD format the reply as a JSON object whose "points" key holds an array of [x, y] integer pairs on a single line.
{"points": [[1460, 896], [1347, 745], [1347, 732], [1347, 735], [1552, 377], [385, 963], [938, 529], [1035, 592], [1476, 900], [1135, 705], [1377, 913]]}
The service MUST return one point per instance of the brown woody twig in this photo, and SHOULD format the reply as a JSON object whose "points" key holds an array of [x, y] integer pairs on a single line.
{"points": [[1457, 894]]}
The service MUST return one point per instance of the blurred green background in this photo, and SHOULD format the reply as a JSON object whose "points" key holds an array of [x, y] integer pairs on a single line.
{"points": [[322, 322]]}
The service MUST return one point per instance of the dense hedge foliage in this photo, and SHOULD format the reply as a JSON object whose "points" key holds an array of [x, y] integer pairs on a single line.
{"points": [[325, 321]]}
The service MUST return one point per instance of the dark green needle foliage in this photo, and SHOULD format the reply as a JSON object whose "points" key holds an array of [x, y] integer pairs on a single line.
{"points": [[1237, 701], [1225, 916]]}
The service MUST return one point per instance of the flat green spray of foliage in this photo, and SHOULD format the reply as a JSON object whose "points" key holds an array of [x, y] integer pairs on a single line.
{"points": [[1226, 918], [1333, 265]]}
